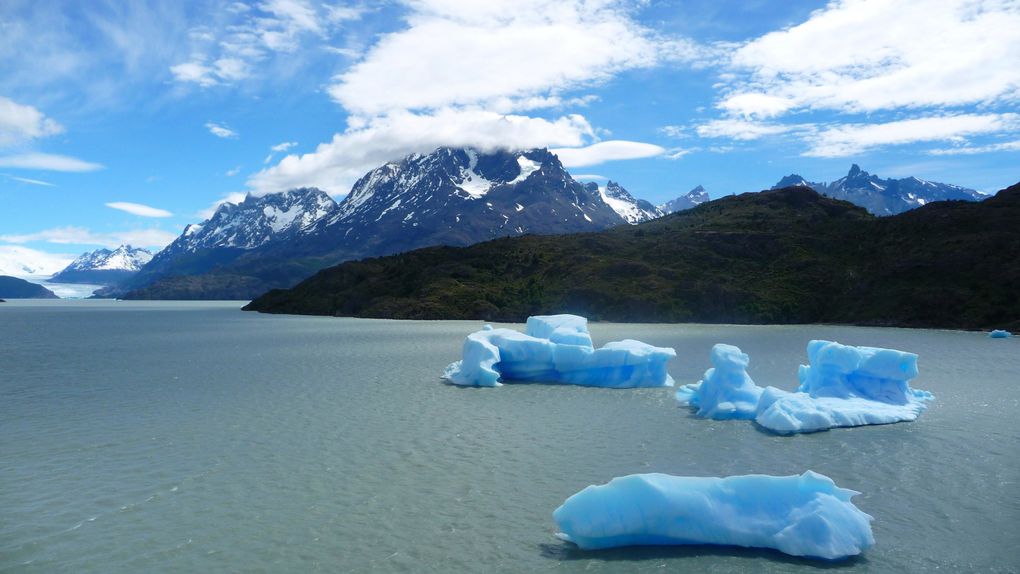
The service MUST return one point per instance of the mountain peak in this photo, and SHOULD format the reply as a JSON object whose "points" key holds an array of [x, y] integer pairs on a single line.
{"points": [[632, 210], [883, 196], [692, 198], [103, 266]]}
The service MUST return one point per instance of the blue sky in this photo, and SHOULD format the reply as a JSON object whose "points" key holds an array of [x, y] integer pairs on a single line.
{"points": [[124, 121]]}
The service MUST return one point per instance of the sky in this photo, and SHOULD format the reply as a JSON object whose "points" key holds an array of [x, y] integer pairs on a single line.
{"points": [[122, 122]]}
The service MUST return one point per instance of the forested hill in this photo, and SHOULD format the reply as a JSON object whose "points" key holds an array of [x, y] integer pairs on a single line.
{"points": [[781, 256]]}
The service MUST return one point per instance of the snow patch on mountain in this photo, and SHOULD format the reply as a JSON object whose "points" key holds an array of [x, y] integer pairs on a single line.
{"points": [[632, 210]]}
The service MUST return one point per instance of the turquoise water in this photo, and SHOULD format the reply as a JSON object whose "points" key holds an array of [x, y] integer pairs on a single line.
{"points": [[173, 437]]}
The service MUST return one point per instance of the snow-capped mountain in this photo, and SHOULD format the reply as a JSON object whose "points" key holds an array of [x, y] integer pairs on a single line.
{"points": [[461, 196], [450, 196], [631, 209], [104, 267], [884, 196], [692, 198], [256, 221]]}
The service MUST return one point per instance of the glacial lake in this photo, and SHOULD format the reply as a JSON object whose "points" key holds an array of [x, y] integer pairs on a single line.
{"points": [[193, 437]]}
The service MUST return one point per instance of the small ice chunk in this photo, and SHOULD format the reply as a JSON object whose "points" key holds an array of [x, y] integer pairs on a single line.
{"points": [[727, 391], [845, 386], [558, 349], [806, 515], [1000, 334]]}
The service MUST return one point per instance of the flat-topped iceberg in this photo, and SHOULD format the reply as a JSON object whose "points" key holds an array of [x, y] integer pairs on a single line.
{"points": [[845, 386], [1000, 334], [727, 391], [806, 515], [557, 349]]}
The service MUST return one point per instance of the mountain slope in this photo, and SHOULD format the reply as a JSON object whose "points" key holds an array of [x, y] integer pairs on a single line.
{"points": [[631, 209], [884, 196], [233, 231], [692, 198], [104, 267], [14, 288], [782, 256], [447, 197]]}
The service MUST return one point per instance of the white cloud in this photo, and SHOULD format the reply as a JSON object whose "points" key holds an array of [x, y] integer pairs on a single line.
{"points": [[29, 180], [850, 139], [335, 165], [743, 130], [20, 123], [196, 72], [588, 177], [282, 147], [970, 150], [139, 209], [71, 235], [863, 56], [20, 261], [232, 172], [220, 130], [233, 197], [227, 52], [506, 55], [606, 151], [48, 162]]}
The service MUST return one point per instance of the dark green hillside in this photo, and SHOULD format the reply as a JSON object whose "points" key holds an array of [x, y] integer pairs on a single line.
{"points": [[783, 256], [14, 288]]}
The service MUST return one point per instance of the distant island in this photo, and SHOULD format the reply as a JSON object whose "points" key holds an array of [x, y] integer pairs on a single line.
{"points": [[783, 256], [14, 288]]}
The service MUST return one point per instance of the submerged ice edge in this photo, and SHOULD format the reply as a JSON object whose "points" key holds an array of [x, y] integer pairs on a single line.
{"points": [[843, 386], [806, 515], [557, 349]]}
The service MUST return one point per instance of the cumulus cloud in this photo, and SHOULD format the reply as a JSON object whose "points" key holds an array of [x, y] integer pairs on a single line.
{"points": [[138, 209], [70, 235], [19, 123], [508, 55], [234, 197], [860, 56], [21, 261], [335, 165], [850, 139], [602, 152], [463, 74], [48, 162]]}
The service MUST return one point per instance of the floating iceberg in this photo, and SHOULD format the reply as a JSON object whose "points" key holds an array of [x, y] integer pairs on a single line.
{"points": [[806, 515], [1000, 334], [845, 386], [727, 391], [557, 349]]}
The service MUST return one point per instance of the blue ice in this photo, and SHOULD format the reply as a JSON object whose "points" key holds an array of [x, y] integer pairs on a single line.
{"points": [[806, 515], [557, 349], [845, 386], [727, 391], [1000, 334]]}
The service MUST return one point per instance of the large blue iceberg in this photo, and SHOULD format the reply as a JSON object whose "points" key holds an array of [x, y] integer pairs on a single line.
{"points": [[557, 349], [727, 391], [806, 515], [845, 386], [1000, 334]]}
